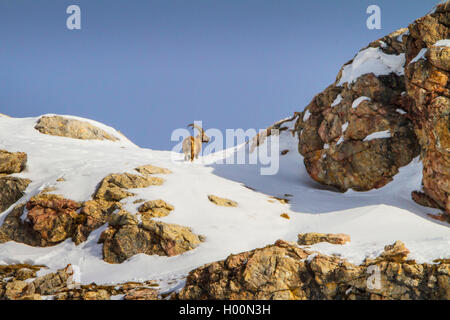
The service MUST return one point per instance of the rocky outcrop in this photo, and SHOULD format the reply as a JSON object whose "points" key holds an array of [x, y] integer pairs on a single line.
{"points": [[285, 271], [355, 134], [71, 128], [427, 81], [11, 190], [12, 162], [126, 237], [313, 238], [59, 285], [224, 202], [50, 219], [111, 190]]}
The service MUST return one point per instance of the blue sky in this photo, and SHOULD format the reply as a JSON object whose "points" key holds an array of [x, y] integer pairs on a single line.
{"points": [[149, 67]]}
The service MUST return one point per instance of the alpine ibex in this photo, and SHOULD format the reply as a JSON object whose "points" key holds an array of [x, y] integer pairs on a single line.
{"points": [[192, 146]]}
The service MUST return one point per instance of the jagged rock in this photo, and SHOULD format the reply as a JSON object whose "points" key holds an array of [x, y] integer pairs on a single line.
{"points": [[71, 128], [155, 209], [285, 271], [60, 286], [150, 169], [142, 294], [396, 252], [51, 283], [18, 289], [124, 241], [25, 273], [12, 162], [100, 294], [313, 238], [11, 190], [427, 74], [355, 135], [222, 201]]}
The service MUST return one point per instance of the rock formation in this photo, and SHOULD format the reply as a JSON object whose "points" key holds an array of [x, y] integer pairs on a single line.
{"points": [[20, 282], [285, 271], [427, 81], [355, 134], [71, 128]]}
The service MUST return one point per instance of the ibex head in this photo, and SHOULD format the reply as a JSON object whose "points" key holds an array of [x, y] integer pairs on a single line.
{"points": [[204, 137]]}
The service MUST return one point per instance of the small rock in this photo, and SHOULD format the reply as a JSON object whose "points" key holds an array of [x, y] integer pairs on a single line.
{"points": [[222, 201], [313, 238], [150, 169], [285, 215]]}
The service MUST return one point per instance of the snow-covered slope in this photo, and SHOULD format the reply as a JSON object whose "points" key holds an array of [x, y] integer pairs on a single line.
{"points": [[372, 219]]}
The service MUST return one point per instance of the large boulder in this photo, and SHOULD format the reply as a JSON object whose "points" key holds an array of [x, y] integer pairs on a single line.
{"points": [[285, 271], [355, 134], [71, 128], [12, 162], [427, 81]]}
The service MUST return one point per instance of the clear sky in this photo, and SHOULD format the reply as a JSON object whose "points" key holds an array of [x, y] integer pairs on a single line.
{"points": [[149, 67]]}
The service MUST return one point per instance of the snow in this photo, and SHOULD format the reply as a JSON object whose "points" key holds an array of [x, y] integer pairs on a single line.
{"points": [[357, 102], [373, 219], [420, 55], [442, 43], [306, 116], [372, 60], [378, 135], [344, 127], [337, 100]]}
